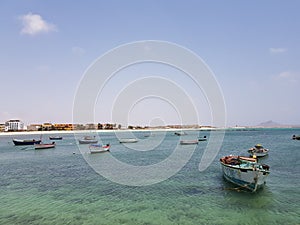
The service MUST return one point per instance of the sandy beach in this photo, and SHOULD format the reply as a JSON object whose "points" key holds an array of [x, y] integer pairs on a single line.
{"points": [[100, 131]]}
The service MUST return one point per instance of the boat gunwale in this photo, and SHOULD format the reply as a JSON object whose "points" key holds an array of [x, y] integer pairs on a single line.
{"points": [[237, 167]]}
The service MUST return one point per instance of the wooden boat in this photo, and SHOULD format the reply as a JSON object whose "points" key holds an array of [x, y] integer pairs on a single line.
{"points": [[88, 140], [128, 140], [83, 141], [180, 133], [95, 148], [189, 142], [55, 138], [296, 137], [26, 142], [244, 172], [202, 139], [258, 151], [44, 146]]}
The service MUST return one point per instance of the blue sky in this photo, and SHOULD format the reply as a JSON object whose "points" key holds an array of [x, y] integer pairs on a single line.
{"points": [[251, 46]]}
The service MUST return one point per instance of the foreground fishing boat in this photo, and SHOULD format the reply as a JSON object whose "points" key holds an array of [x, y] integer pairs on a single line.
{"points": [[26, 142], [189, 142], [95, 148], [244, 172], [44, 146], [258, 151]]}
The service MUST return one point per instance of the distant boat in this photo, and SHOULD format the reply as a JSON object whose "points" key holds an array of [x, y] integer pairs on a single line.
{"points": [[258, 151], [244, 172], [202, 139], [189, 142], [296, 137], [44, 146], [96, 148], [128, 140], [180, 133], [55, 138], [26, 142], [88, 140]]}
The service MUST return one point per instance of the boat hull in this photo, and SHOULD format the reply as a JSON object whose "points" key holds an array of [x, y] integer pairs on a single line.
{"points": [[55, 138], [202, 139], [246, 178], [180, 133], [258, 154], [99, 148], [26, 142], [43, 146], [128, 140], [88, 141], [189, 142]]}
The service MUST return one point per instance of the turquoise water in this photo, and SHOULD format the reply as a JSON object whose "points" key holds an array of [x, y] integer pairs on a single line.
{"points": [[55, 186]]}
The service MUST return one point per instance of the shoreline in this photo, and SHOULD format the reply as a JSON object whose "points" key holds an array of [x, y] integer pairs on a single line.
{"points": [[101, 131], [55, 132]]}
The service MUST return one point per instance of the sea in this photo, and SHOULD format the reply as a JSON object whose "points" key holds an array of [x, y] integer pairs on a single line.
{"points": [[58, 186]]}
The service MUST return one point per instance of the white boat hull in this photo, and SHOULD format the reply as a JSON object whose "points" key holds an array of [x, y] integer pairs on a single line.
{"points": [[258, 154], [130, 140], [189, 142], [43, 146], [99, 148], [249, 179], [98, 151]]}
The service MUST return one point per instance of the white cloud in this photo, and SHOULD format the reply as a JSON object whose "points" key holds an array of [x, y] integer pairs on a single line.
{"points": [[34, 24], [78, 51], [288, 76], [277, 50], [285, 75]]}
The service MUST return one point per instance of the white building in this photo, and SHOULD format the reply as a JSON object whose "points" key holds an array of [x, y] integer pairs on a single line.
{"points": [[14, 125]]}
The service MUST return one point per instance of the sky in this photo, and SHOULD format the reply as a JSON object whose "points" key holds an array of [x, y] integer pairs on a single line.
{"points": [[251, 47]]}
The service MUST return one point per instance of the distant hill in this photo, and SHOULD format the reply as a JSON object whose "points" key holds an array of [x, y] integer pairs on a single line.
{"points": [[270, 123]]}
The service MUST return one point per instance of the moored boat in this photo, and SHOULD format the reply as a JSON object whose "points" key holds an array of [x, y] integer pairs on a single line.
{"points": [[189, 142], [258, 151], [88, 140], [96, 148], [244, 172], [26, 142], [44, 145], [55, 137], [202, 138], [128, 140], [296, 137], [180, 133]]}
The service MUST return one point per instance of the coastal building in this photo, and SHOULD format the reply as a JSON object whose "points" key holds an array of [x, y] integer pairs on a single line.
{"points": [[63, 126], [47, 126], [108, 126], [14, 125], [91, 126], [34, 127], [2, 127], [78, 126]]}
